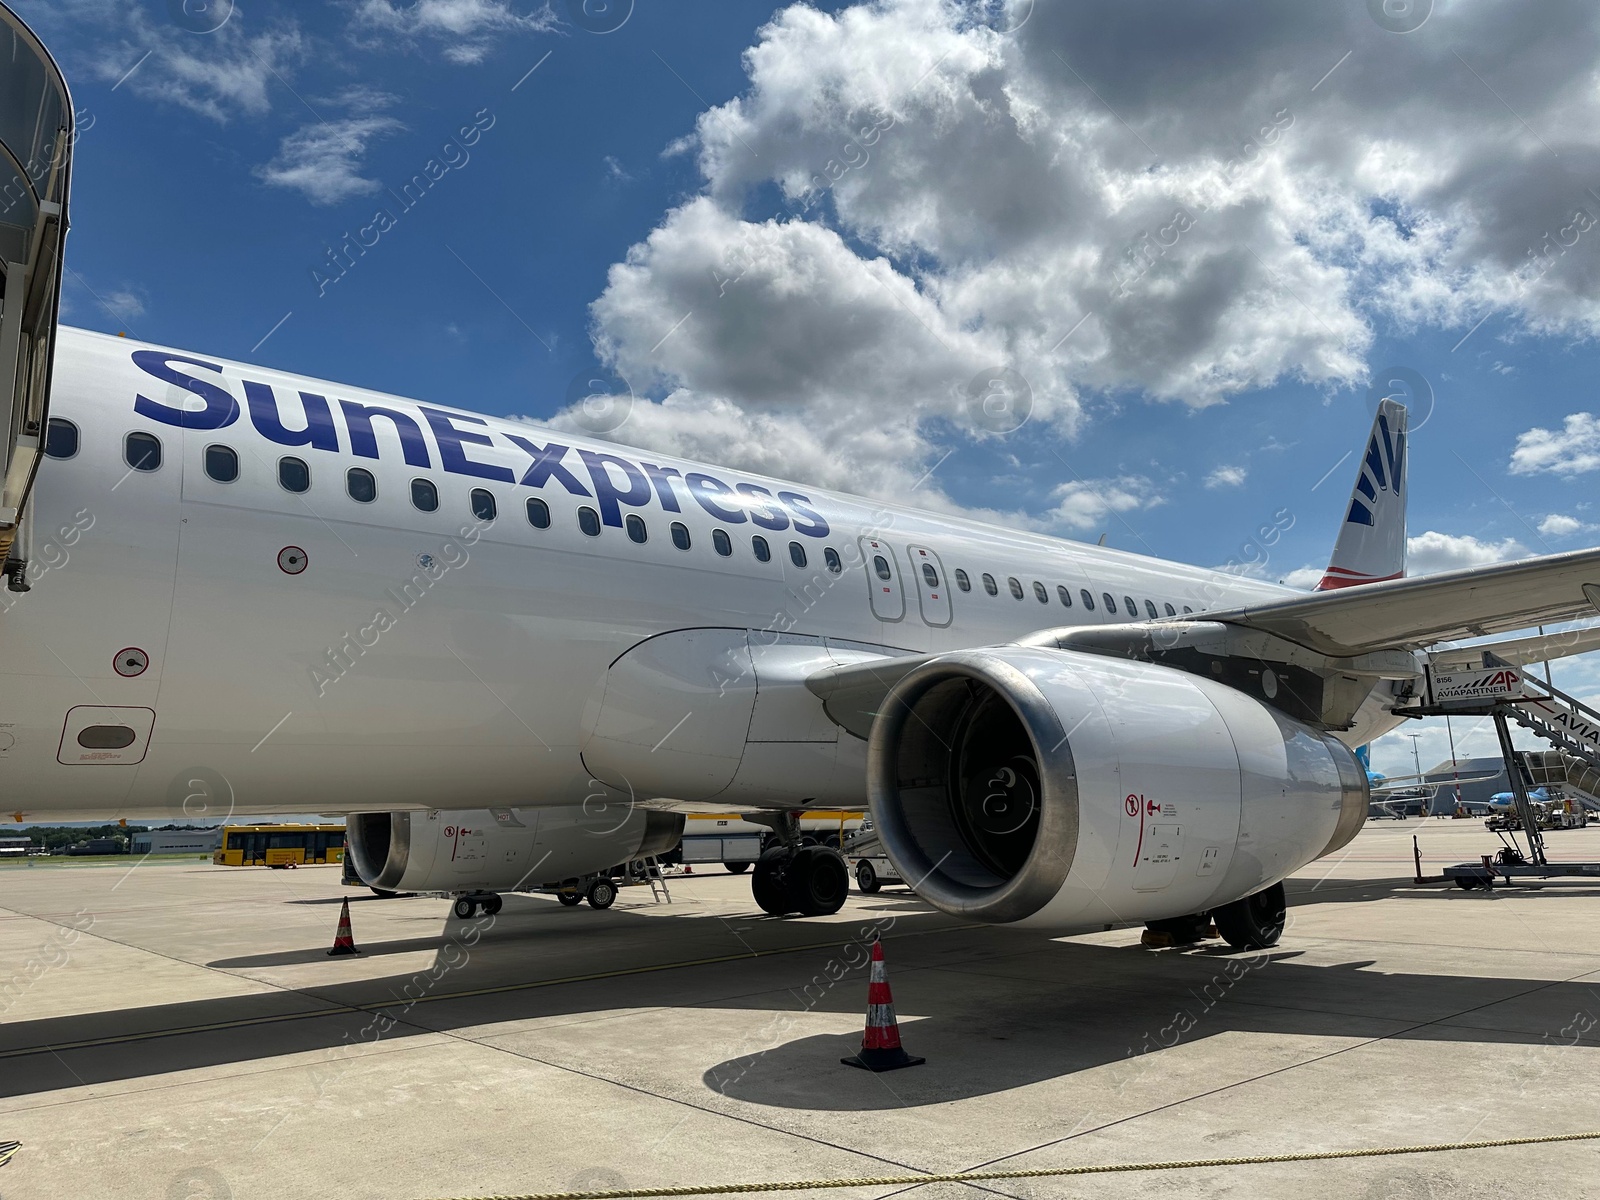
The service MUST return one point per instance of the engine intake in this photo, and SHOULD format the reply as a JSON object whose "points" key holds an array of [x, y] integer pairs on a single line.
{"points": [[1072, 791]]}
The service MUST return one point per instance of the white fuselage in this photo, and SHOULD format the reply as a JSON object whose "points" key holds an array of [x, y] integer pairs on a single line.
{"points": [[306, 651]]}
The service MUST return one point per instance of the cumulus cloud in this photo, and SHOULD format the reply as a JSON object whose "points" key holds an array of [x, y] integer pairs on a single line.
{"points": [[465, 30], [1225, 477], [323, 160], [1121, 199], [1432, 552], [1560, 525], [1571, 450]]}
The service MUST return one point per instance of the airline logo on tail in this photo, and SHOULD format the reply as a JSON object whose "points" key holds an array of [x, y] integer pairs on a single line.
{"points": [[1372, 540]]}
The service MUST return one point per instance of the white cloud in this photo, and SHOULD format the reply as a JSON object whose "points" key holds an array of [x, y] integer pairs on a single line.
{"points": [[220, 75], [962, 198], [1572, 450], [323, 160], [1305, 577], [1432, 552], [1559, 525], [1225, 477], [1086, 503], [465, 29], [125, 304]]}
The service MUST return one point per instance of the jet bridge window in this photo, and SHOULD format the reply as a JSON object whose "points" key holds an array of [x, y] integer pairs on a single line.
{"points": [[797, 555], [1039, 591], [763, 551], [1015, 585], [962, 581], [831, 557], [363, 488], [989, 584], [483, 505], [424, 495], [60, 438], [142, 451], [721, 542], [538, 513], [1150, 609], [1065, 595], [589, 521], [222, 463], [680, 535], [293, 474], [637, 533]]}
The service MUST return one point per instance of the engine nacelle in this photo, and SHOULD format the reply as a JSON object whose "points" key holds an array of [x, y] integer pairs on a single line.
{"points": [[504, 850], [1070, 791]]}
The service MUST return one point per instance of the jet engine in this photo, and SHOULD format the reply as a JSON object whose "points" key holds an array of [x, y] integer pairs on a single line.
{"points": [[501, 850], [1067, 791]]}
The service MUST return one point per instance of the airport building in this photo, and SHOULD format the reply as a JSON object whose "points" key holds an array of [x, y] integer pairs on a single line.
{"points": [[175, 841]]}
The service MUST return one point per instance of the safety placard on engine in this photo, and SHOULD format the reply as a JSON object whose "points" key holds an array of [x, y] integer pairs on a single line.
{"points": [[1158, 857]]}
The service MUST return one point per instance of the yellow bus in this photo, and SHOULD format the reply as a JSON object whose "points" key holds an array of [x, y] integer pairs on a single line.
{"points": [[279, 845]]}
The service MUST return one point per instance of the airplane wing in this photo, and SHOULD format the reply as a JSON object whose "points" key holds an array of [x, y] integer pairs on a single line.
{"points": [[1410, 614]]}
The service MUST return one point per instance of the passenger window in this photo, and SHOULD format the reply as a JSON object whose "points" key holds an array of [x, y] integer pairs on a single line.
{"points": [[989, 584], [1065, 595], [1171, 612], [1188, 610], [1039, 591], [1150, 609], [60, 438], [424, 496], [1015, 585], [1088, 599], [831, 557], [680, 535], [222, 463], [483, 505], [1111, 602], [962, 581], [636, 530], [797, 554], [358, 481], [880, 564], [142, 451], [1130, 606], [763, 551], [538, 513], [589, 521], [721, 542], [929, 575], [293, 474]]}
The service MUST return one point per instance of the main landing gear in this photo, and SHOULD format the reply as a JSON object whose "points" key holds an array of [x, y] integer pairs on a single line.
{"points": [[466, 907], [793, 878], [1254, 923]]}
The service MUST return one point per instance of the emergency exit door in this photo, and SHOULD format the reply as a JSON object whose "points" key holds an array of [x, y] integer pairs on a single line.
{"points": [[883, 580]]}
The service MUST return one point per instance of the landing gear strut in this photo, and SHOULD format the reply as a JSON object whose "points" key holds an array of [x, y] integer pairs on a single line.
{"points": [[794, 878]]}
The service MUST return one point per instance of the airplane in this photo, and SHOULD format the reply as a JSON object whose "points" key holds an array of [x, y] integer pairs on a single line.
{"points": [[511, 655]]}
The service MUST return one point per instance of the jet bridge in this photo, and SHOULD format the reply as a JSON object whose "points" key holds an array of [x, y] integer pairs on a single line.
{"points": [[36, 132], [1474, 682]]}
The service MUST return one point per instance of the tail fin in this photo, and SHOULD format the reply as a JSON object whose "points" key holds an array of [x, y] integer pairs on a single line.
{"points": [[1372, 540]]}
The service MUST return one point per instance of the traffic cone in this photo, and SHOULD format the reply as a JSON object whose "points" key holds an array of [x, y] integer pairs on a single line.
{"points": [[880, 1045], [343, 941]]}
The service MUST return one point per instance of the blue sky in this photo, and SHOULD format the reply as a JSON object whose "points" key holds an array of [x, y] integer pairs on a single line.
{"points": [[1377, 217]]}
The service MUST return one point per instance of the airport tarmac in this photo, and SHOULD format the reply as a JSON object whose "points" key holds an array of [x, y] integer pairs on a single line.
{"points": [[174, 1029]]}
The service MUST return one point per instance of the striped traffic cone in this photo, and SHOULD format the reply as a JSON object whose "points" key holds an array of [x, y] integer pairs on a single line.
{"points": [[880, 1045], [344, 941]]}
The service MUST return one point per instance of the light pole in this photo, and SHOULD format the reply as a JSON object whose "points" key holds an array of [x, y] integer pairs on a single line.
{"points": [[1416, 758]]}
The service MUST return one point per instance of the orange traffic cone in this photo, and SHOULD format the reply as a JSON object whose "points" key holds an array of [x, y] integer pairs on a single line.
{"points": [[880, 1045], [343, 941]]}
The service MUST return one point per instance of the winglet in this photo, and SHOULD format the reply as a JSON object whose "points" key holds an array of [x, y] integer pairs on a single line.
{"points": [[1372, 540]]}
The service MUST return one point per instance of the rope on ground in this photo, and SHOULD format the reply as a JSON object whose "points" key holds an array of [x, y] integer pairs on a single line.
{"points": [[812, 1185], [7, 1151]]}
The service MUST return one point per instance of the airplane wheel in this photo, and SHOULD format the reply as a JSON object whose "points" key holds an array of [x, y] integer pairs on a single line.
{"points": [[819, 881], [736, 868], [602, 893], [381, 894], [1184, 931], [570, 899], [1255, 922], [493, 904], [866, 877], [466, 908], [769, 884]]}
